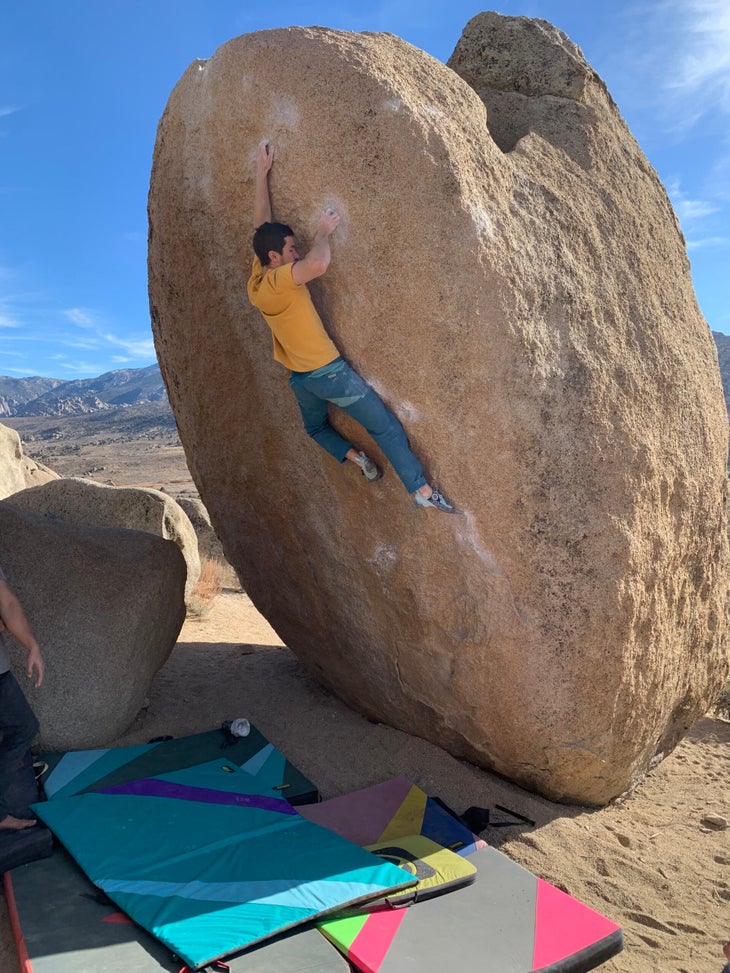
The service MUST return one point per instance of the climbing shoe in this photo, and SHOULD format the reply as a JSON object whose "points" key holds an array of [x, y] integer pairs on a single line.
{"points": [[370, 470], [437, 500]]}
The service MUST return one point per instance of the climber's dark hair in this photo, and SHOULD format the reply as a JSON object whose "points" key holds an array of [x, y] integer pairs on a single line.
{"points": [[270, 236]]}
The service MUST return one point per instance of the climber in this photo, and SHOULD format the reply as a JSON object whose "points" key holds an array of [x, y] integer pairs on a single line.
{"points": [[319, 375]]}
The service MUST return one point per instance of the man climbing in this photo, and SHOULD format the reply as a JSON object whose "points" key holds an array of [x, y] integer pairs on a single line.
{"points": [[18, 723], [278, 288]]}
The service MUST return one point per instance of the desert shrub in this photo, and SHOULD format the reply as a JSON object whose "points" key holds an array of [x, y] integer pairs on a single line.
{"points": [[207, 589]]}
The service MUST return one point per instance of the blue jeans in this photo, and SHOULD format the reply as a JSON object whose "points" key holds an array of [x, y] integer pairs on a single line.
{"points": [[18, 726], [342, 386]]}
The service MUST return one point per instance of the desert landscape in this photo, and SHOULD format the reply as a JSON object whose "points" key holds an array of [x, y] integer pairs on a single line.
{"points": [[652, 861]]}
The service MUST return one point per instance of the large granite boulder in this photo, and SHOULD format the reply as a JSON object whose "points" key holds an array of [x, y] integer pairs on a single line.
{"points": [[522, 300], [79, 501], [106, 607]]}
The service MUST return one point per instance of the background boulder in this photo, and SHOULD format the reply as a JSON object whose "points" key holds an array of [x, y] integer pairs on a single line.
{"points": [[208, 544], [80, 501], [106, 607], [12, 470], [18, 471], [521, 298]]}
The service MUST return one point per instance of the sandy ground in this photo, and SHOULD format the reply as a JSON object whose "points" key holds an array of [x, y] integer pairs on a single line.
{"points": [[648, 862]]}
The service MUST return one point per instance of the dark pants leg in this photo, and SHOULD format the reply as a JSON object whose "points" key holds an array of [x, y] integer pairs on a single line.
{"points": [[18, 726]]}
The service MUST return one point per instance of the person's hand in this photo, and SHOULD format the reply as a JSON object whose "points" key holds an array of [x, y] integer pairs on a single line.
{"points": [[328, 222], [726, 950], [264, 156], [35, 666]]}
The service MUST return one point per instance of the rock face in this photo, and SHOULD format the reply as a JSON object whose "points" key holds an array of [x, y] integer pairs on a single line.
{"points": [[17, 471], [106, 607], [520, 296], [208, 544], [86, 502], [12, 475], [36, 474]]}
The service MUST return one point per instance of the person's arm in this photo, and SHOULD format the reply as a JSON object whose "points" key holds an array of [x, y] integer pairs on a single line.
{"points": [[262, 198], [14, 620], [317, 259]]}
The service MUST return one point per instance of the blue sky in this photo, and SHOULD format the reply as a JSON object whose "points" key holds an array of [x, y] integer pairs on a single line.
{"points": [[83, 84]]}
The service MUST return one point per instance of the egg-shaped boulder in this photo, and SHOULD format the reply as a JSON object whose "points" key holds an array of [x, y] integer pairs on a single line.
{"points": [[522, 301]]}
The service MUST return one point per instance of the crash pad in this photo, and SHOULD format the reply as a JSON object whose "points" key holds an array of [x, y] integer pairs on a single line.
{"points": [[392, 809], [79, 771], [19, 847], [63, 924], [507, 921], [210, 861]]}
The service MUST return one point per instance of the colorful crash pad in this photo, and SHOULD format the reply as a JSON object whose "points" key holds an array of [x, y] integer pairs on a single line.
{"points": [[438, 870], [508, 921], [389, 810], [78, 771], [210, 861], [63, 924]]}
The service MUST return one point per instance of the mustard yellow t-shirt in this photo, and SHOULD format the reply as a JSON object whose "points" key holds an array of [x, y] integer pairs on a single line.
{"points": [[300, 341]]}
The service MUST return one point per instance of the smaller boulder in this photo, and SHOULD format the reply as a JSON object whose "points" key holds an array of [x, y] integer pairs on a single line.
{"points": [[35, 474], [12, 477], [18, 471], [87, 502], [208, 544], [106, 607]]}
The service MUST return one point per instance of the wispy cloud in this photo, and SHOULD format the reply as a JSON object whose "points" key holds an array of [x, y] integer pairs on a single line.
{"points": [[674, 77], [137, 348], [696, 217], [67, 341], [90, 344], [6, 110], [705, 243], [673, 65], [99, 339], [76, 367], [704, 57], [690, 211], [80, 316]]}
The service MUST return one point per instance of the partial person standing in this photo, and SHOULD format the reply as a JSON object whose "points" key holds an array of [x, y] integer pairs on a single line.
{"points": [[18, 723]]}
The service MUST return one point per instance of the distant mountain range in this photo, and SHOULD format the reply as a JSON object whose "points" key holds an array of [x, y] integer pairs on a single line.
{"points": [[21, 397], [24, 397]]}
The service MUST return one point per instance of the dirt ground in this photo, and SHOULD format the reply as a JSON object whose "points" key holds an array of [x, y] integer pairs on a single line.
{"points": [[648, 862]]}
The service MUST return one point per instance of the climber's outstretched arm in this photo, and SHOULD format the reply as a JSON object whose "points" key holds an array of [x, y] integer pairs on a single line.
{"points": [[262, 198]]}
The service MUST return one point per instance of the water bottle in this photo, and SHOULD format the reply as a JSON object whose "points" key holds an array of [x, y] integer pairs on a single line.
{"points": [[240, 727]]}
